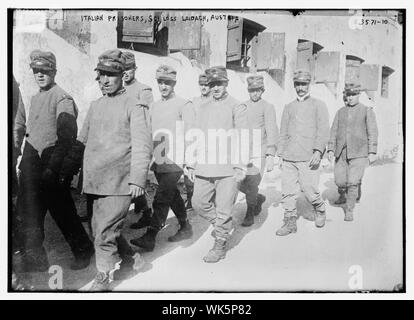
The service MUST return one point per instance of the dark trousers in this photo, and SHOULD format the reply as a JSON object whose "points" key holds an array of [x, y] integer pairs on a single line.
{"points": [[36, 198], [167, 196], [250, 187], [189, 187]]}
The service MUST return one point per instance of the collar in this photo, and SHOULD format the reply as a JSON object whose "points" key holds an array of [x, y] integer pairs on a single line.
{"points": [[120, 91], [352, 106], [223, 97], [48, 87], [172, 95], [305, 97], [130, 84]]}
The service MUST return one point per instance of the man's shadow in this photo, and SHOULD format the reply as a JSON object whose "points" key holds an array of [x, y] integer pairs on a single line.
{"points": [[273, 197]]}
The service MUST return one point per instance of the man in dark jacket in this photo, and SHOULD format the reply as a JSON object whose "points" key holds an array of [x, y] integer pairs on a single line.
{"points": [[50, 133], [353, 144], [166, 116]]}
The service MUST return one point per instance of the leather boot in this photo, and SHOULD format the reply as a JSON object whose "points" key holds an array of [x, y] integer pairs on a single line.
{"points": [[147, 241], [218, 251], [184, 232], [144, 221], [342, 196], [82, 260], [288, 227], [101, 282], [35, 261], [249, 218], [260, 200]]}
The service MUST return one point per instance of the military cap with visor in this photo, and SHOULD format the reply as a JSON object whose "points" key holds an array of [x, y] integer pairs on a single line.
{"points": [[44, 60], [165, 72], [215, 74], [302, 76], [129, 60], [111, 61], [255, 82], [352, 88]]}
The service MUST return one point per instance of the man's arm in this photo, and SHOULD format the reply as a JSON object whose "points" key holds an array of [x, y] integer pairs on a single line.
{"points": [[141, 146], [334, 130], [272, 131], [322, 133], [19, 126], [372, 130], [283, 137], [66, 131], [73, 160]]}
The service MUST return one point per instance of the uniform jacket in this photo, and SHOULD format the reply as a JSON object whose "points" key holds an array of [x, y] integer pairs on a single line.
{"points": [[261, 115], [356, 128], [304, 128], [172, 116], [226, 113], [117, 145], [51, 128]]}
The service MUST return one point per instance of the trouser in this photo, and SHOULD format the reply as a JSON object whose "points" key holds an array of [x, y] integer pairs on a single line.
{"points": [[189, 187], [348, 175], [167, 196], [140, 204], [109, 213], [297, 177], [35, 199], [250, 187], [214, 199]]}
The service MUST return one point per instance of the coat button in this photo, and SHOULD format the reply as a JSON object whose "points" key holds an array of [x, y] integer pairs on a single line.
{"points": [[27, 135]]}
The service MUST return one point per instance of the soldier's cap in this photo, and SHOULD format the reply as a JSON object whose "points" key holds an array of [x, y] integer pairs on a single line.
{"points": [[44, 60], [302, 76], [202, 79], [352, 88], [217, 73], [165, 72], [129, 60], [111, 61], [255, 82]]}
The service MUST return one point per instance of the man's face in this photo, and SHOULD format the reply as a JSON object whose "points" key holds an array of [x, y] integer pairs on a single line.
{"points": [[352, 99], [44, 78], [166, 87], [129, 75], [204, 89], [302, 88], [255, 94], [218, 89], [110, 82]]}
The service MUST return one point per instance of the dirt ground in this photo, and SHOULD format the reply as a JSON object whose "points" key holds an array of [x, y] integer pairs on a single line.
{"points": [[327, 259]]}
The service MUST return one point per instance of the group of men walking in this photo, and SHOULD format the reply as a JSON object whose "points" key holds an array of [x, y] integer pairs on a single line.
{"points": [[126, 133]]}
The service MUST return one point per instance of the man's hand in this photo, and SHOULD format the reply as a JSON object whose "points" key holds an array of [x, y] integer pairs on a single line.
{"points": [[330, 155], [270, 163], [316, 159], [372, 158], [135, 191], [239, 174], [190, 174]]}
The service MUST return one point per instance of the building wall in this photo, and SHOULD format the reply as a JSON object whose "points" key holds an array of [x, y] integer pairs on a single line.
{"points": [[380, 44]]}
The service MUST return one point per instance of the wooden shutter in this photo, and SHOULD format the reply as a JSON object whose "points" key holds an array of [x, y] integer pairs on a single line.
{"points": [[369, 77], [137, 26], [304, 56], [352, 70], [234, 39], [268, 51], [327, 67], [184, 35]]}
